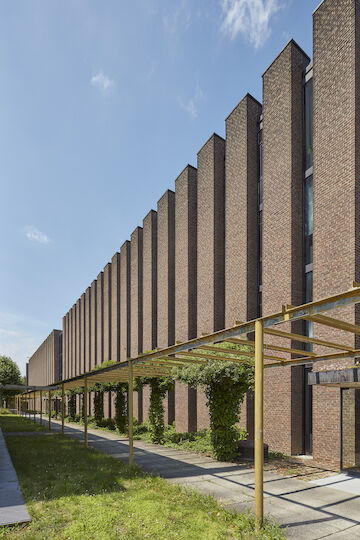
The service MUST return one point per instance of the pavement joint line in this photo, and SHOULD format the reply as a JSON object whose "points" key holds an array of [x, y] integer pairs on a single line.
{"points": [[284, 508]]}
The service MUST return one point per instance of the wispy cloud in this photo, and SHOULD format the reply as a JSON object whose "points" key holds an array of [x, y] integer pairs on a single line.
{"points": [[191, 106], [101, 81], [33, 234], [251, 18]]}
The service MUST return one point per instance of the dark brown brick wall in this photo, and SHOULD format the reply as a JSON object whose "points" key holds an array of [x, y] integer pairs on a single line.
{"points": [[115, 307], [100, 319], [241, 189], [210, 248], [241, 222], [185, 285], [64, 346], [87, 328], [149, 293], [43, 365], [107, 312], [166, 282], [136, 281], [82, 333], [336, 173], [125, 307], [77, 337], [93, 315], [73, 341], [282, 233]]}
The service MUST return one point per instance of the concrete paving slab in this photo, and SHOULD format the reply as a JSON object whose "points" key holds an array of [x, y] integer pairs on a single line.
{"points": [[12, 505], [343, 482], [305, 510]]}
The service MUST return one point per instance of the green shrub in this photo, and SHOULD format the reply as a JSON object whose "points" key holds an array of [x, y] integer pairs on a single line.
{"points": [[5, 411], [72, 405], [225, 384], [121, 418], [159, 387], [98, 405]]}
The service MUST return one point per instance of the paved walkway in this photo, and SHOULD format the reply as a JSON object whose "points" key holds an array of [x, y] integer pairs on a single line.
{"points": [[308, 511], [12, 505]]}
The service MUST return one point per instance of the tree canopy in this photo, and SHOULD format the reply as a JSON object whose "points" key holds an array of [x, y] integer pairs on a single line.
{"points": [[9, 374]]}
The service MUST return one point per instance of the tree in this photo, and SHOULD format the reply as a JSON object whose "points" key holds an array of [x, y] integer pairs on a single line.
{"points": [[225, 384], [9, 374]]}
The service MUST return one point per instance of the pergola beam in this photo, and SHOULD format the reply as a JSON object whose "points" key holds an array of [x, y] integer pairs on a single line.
{"points": [[272, 347]]}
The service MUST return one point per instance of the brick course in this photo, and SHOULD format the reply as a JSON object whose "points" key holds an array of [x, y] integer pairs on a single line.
{"points": [[336, 173], [166, 282], [282, 233], [185, 285], [149, 293], [210, 248]]}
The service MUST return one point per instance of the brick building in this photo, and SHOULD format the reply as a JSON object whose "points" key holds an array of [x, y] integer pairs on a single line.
{"points": [[45, 365], [269, 216]]}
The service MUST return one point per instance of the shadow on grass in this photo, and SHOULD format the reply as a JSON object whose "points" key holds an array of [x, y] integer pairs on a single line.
{"points": [[53, 467], [12, 423]]}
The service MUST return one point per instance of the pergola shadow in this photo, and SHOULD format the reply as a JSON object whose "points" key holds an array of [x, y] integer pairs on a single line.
{"points": [[233, 483], [264, 352]]}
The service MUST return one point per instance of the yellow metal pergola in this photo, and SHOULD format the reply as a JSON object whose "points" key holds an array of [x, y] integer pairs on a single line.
{"points": [[159, 363]]}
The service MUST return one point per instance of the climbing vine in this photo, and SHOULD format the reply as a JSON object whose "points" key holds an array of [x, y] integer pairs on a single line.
{"points": [[225, 384], [158, 389], [98, 403], [121, 420], [72, 405]]}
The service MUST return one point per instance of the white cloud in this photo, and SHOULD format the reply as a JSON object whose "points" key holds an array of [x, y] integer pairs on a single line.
{"points": [[32, 233], [191, 106], [251, 18], [102, 82]]}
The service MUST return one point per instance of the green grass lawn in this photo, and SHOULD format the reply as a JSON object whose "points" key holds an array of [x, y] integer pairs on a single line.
{"points": [[11, 422], [74, 492]]}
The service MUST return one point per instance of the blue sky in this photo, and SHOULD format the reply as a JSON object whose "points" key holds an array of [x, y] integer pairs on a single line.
{"points": [[102, 104]]}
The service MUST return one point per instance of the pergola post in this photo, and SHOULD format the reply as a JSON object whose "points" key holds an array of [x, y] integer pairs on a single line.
{"points": [[131, 414], [85, 412], [41, 405], [259, 418], [34, 402], [62, 408], [49, 409]]}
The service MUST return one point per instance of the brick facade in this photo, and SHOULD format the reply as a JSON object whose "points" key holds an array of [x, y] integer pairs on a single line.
{"points": [[185, 285], [115, 307], [149, 293], [136, 324], [194, 267], [241, 223], [125, 307], [336, 175], [210, 247], [166, 282]]}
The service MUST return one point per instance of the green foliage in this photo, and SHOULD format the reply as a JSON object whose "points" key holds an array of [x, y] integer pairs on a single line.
{"points": [[225, 384], [121, 419], [98, 404], [159, 387], [72, 405], [9, 374], [108, 423], [73, 491], [5, 411]]}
